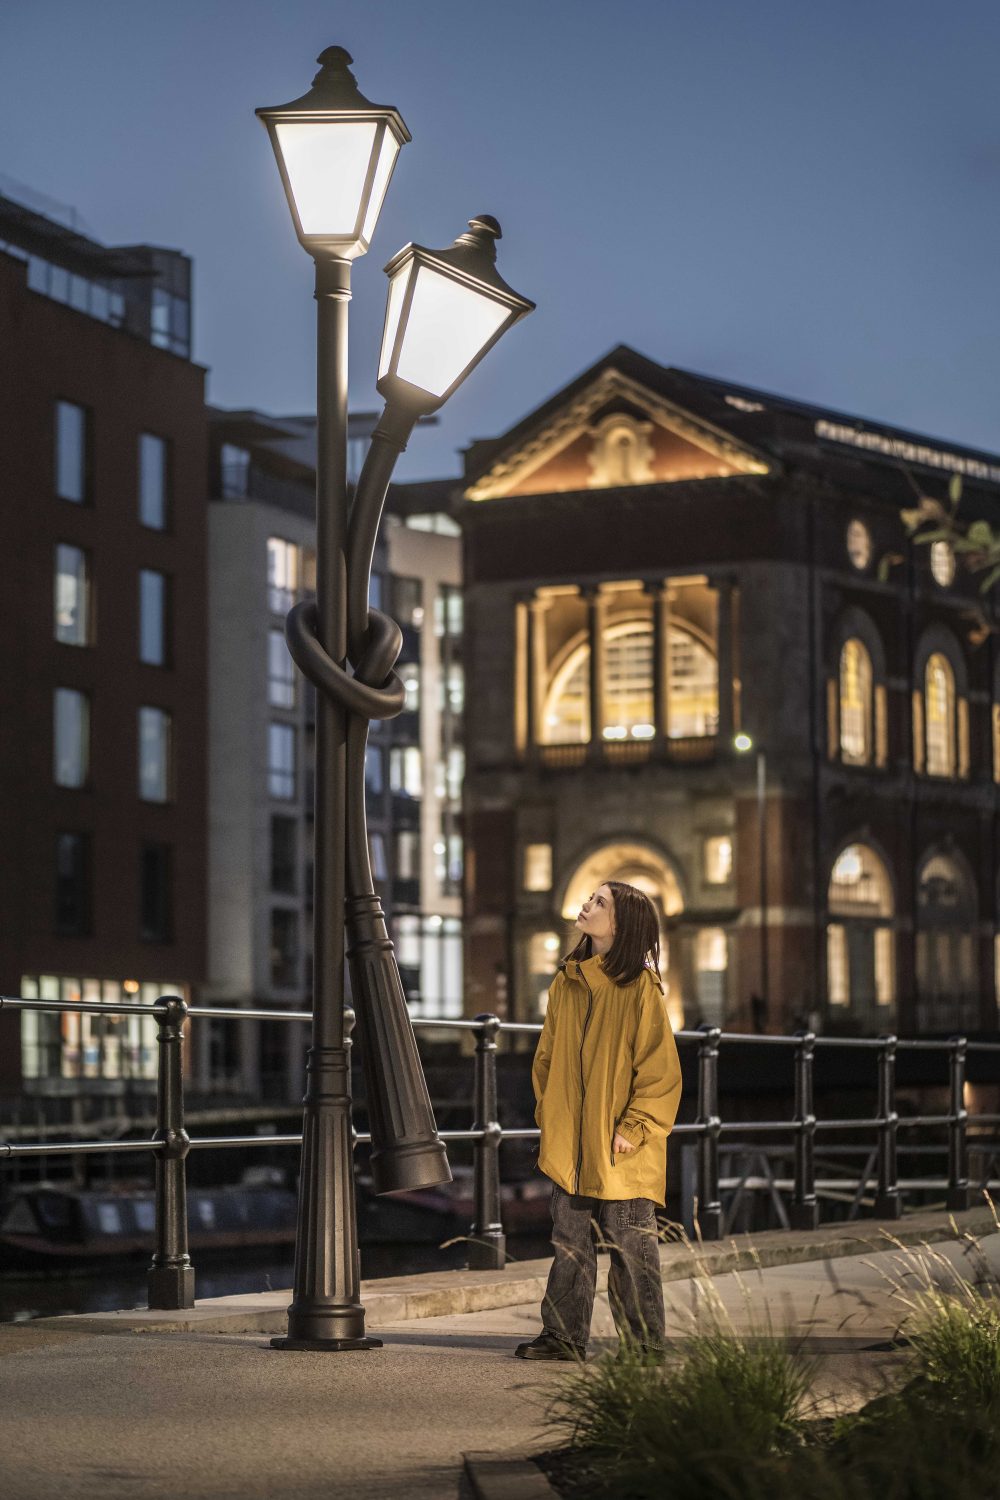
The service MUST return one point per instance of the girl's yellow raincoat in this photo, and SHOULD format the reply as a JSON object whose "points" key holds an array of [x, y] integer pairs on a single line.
{"points": [[606, 1061]]}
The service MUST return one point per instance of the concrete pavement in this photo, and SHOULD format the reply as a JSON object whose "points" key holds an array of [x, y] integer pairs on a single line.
{"points": [[209, 1416]]}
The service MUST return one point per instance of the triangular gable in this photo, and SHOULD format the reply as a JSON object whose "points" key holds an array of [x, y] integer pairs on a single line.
{"points": [[615, 431]]}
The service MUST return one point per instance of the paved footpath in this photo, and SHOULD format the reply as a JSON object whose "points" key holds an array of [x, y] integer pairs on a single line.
{"points": [[90, 1409]]}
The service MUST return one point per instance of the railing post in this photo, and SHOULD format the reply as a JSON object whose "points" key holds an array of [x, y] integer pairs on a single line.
{"points": [[888, 1204], [171, 1275], [959, 1195], [487, 1244], [709, 1215], [805, 1209]]}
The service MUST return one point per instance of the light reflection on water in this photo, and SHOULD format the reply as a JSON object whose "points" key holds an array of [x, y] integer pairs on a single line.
{"points": [[123, 1286]]}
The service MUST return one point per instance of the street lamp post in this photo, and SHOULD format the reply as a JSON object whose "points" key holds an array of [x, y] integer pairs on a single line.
{"points": [[336, 152], [743, 743]]}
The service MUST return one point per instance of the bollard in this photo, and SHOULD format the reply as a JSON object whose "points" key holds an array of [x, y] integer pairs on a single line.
{"points": [[487, 1245], [805, 1208], [888, 1203], [171, 1276], [959, 1195], [709, 1215]]}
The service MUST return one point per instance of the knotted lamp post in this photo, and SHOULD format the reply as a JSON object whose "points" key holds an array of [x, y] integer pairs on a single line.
{"points": [[336, 152]]}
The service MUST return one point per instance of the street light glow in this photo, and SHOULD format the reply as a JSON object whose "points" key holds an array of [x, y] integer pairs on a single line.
{"points": [[743, 742], [335, 151], [445, 309]]}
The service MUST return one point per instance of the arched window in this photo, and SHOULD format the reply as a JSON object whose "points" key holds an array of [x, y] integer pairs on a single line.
{"points": [[692, 684], [940, 706], [939, 716], [861, 971], [855, 703], [857, 717], [947, 993]]}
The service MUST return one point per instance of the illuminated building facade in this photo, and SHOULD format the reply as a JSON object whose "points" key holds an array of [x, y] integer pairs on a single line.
{"points": [[657, 563]]}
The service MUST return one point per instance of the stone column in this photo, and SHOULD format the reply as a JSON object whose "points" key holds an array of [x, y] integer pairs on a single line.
{"points": [[663, 596], [596, 613], [537, 669], [724, 658]]}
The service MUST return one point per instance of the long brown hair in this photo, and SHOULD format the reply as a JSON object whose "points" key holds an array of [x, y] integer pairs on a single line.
{"points": [[636, 943]]}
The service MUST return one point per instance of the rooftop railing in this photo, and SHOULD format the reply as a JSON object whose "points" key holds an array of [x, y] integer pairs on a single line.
{"points": [[171, 1285]]}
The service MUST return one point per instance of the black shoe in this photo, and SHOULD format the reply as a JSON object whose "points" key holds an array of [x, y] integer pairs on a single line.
{"points": [[547, 1346]]}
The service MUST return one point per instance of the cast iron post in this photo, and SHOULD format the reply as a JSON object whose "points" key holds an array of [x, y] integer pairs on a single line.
{"points": [[805, 1209], [888, 1204], [487, 1243], [709, 1214], [958, 1182], [170, 1279]]}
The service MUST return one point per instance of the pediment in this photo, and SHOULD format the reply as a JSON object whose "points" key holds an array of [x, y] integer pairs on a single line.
{"points": [[615, 432]]}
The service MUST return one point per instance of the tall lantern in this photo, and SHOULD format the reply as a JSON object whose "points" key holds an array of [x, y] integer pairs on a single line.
{"points": [[446, 309], [335, 151]]}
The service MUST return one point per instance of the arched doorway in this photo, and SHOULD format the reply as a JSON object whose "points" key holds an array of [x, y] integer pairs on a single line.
{"points": [[861, 968], [651, 871]]}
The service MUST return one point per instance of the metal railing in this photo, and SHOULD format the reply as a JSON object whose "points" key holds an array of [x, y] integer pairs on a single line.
{"points": [[171, 1274]]}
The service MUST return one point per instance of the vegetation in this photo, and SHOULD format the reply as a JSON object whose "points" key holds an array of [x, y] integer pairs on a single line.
{"points": [[733, 1416]]}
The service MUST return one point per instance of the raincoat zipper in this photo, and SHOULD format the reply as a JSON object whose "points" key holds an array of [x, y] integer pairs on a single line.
{"points": [[583, 1087]]}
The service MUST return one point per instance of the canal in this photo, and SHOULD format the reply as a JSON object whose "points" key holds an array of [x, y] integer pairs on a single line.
{"points": [[25, 1295]]}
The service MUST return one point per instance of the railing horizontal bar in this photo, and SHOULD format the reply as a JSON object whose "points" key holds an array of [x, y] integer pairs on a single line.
{"points": [[237, 1013], [462, 1135], [84, 1007], [203, 1143], [522, 1134], [925, 1120], [443, 1023], [787, 1184], [734, 1127], [848, 1124], [83, 1148]]}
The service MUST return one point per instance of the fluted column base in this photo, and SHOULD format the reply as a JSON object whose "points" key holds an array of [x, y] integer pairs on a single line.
{"points": [[327, 1312]]}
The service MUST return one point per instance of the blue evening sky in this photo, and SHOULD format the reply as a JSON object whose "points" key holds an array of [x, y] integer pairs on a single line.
{"points": [[799, 196]]}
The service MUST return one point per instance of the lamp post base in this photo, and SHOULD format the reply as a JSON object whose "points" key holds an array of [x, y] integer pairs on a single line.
{"points": [[325, 1346]]}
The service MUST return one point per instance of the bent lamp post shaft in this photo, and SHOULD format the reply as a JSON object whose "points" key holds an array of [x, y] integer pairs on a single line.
{"points": [[326, 1310], [406, 1151], [170, 1280]]}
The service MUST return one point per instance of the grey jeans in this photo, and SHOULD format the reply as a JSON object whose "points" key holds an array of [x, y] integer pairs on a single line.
{"points": [[635, 1289]]}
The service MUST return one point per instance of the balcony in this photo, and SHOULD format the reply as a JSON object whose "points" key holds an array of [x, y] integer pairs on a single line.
{"points": [[694, 749]]}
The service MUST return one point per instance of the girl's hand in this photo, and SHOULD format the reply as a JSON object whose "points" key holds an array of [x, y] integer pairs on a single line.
{"points": [[621, 1146]]}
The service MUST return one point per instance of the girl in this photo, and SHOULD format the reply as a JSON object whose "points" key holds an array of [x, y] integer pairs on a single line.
{"points": [[607, 1082]]}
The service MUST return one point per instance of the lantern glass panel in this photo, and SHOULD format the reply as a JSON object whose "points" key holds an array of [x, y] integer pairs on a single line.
{"points": [[448, 325], [394, 306], [386, 161], [327, 165]]}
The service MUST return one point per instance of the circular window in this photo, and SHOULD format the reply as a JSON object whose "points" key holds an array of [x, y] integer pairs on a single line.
{"points": [[942, 562], [859, 543]]}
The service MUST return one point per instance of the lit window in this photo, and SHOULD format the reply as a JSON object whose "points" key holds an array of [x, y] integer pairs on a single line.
{"points": [[281, 761], [374, 759], [711, 963], [71, 452], [72, 596], [543, 957], [280, 672], [152, 481], [939, 716], [718, 859], [71, 758], [452, 688], [538, 867], [154, 754], [283, 561], [448, 610], [942, 563], [859, 543], [406, 770], [152, 618], [376, 854], [408, 602], [855, 703], [409, 673], [407, 855]]}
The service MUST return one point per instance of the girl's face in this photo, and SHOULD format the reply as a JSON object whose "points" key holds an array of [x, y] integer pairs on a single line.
{"points": [[597, 916]]}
